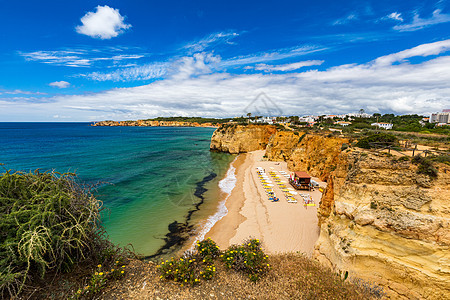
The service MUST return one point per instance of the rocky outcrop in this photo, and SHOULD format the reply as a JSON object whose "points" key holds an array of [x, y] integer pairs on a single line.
{"points": [[382, 221], [239, 138], [152, 123], [315, 154]]}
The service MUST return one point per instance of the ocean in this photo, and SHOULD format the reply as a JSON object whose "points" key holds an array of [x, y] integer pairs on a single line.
{"points": [[148, 178]]}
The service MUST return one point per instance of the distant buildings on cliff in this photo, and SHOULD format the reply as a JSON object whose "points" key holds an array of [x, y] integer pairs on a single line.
{"points": [[440, 119]]}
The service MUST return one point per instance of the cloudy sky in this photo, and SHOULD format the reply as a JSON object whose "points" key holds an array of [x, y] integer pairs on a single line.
{"points": [[90, 60]]}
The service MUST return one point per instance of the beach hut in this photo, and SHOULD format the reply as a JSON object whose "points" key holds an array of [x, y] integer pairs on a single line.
{"points": [[301, 181]]}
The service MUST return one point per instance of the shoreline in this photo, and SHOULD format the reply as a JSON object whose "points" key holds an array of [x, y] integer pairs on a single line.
{"points": [[281, 226]]}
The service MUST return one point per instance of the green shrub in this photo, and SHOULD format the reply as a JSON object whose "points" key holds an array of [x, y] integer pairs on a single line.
{"points": [[184, 270], [443, 158], [248, 258], [48, 221], [377, 140], [403, 158], [344, 146], [208, 249], [194, 266], [424, 166]]}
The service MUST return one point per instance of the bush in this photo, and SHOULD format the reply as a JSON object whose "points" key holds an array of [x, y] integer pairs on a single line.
{"points": [[194, 266], [425, 166], [247, 258], [377, 140], [48, 222]]}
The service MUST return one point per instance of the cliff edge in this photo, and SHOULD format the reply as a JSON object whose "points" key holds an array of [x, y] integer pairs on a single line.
{"points": [[235, 139], [384, 222]]}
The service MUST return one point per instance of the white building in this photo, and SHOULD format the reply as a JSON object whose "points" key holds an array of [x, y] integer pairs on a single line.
{"points": [[383, 125], [267, 120], [343, 123], [441, 118]]}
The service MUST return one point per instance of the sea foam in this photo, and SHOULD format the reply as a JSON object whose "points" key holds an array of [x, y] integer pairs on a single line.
{"points": [[226, 185]]}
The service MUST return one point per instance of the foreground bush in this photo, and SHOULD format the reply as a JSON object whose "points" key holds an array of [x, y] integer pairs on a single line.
{"points": [[247, 258], [48, 222], [194, 266]]}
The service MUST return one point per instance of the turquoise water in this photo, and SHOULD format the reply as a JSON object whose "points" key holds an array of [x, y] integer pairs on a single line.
{"points": [[148, 175]]}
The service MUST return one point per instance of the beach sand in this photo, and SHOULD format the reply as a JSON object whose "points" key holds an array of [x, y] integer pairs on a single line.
{"points": [[281, 226]]}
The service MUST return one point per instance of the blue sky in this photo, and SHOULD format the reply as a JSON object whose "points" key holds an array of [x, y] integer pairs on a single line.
{"points": [[91, 60]]}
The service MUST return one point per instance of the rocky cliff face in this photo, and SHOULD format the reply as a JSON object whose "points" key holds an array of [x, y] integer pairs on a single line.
{"points": [[238, 139], [382, 221], [315, 154]]}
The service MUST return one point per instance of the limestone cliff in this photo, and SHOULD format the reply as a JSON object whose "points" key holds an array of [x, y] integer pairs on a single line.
{"points": [[315, 154], [238, 138], [382, 221]]}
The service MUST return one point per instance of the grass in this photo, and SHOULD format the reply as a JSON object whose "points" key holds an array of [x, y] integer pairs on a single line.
{"points": [[48, 223], [291, 276]]}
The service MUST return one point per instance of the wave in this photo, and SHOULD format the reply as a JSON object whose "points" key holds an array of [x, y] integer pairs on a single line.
{"points": [[227, 185]]}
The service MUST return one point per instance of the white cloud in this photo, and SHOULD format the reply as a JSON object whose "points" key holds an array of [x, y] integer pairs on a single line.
{"points": [[105, 23], [146, 72], [347, 19], [421, 50], [274, 55], [59, 84], [288, 67], [81, 57], [395, 16], [419, 23], [211, 41], [387, 84], [201, 63]]}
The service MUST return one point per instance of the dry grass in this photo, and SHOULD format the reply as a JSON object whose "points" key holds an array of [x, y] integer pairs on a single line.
{"points": [[292, 276]]}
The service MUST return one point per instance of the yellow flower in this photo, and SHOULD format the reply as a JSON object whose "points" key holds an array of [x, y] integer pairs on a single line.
{"points": [[117, 261], [121, 272], [101, 273], [112, 270], [123, 266], [99, 266], [96, 273]]}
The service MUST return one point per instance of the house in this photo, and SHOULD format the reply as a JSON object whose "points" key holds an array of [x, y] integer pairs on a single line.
{"points": [[386, 126], [267, 120], [343, 123]]}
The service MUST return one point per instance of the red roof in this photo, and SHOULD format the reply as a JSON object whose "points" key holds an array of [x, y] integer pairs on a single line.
{"points": [[302, 174]]}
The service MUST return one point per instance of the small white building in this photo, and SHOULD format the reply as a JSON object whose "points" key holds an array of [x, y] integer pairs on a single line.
{"points": [[343, 123], [386, 126], [267, 120]]}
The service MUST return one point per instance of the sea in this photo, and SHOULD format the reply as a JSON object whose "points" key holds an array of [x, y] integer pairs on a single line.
{"points": [[148, 178]]}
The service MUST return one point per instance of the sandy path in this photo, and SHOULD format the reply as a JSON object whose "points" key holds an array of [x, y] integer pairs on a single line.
{"points": [[282, 226]]}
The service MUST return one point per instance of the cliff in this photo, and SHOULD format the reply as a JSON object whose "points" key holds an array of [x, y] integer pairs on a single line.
{"points": [[380, 220], [150, 123], [239, 138], [384, 222], [316, 154]]}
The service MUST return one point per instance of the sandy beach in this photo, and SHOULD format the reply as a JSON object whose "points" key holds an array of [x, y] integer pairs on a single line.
{"points": [[281, 226]]}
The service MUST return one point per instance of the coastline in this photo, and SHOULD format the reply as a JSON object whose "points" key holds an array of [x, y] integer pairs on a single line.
{"points": [[281, 226]]}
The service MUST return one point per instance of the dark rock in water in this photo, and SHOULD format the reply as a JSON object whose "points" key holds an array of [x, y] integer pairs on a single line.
{"points": [[180, 232]]}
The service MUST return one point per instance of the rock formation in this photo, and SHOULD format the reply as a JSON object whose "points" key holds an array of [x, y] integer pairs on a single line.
{"points": [[384, 222], [380, 220], [234, 139]]}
